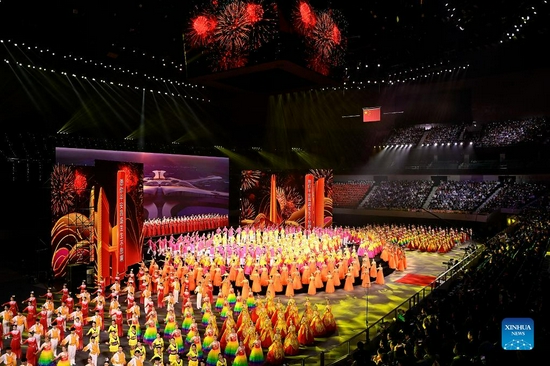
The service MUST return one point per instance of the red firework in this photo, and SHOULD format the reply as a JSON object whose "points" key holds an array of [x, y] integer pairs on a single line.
{"points": [[233, 27], [202, 30], [336, 34], [228, 61], [326, 44], [318, 64], [63, 193], [326, 37], [289, 201], [305, 18], [132, 178], [328, 174], [80, 182], [231, 31], [248, 211], [250, 179], [254, 13]]}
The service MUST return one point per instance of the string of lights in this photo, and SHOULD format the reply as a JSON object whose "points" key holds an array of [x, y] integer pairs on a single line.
{"points": [[135, 76]]}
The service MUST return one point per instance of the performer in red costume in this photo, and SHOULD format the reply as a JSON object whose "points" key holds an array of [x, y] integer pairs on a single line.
{"points": [[32, 348], [119, 320], [60, 323], [69, 301], [31, 299], [31, 314], [16, 340], [64, 293], [13, 305], [48, 295]]}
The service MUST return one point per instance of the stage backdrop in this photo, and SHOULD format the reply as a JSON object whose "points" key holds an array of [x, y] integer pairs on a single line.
{"points": [[301, 198], [89, 188]]}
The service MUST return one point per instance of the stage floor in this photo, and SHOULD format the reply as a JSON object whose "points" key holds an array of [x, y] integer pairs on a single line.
{"points": [[349, 307]]}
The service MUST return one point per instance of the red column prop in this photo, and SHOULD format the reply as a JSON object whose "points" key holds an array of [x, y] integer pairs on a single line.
{"points": [[320, 202], [106, 251], [309, 212], [273, 217], [121, 221]]}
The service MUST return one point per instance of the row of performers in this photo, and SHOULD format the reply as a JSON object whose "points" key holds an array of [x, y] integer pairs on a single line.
{"points": [[369, 241], [174, 225], [257, 243], [202, 274]]}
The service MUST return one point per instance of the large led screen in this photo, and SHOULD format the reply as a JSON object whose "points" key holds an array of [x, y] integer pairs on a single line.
{"points": [[299, 198], [88, 206]]}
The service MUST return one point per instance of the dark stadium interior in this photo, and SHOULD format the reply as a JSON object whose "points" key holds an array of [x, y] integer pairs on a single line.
{"points": [[123, 75]]}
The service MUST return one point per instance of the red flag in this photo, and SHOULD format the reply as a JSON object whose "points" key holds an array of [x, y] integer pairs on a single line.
{"points": [[371, 114]]}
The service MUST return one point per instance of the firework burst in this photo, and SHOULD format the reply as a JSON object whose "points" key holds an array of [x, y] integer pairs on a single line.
{"points": [[326, 43], [304, 17], [233, 28], [231, 31], [263, 26], [322, 173], [289, 201], [250, 179], [326, 36], [80, 182], [132, 176], [227, 61], [254, 13], [323, 36], [63, 192], [281, 196], [201, 33], [248, 211], [318, 64], [328, 174]]}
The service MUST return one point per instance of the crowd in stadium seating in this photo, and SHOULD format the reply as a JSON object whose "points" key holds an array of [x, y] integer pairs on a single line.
{"points": [[349, 194], [450, 196], [406, 135], [497, 133], [399, 195], [462, 325], [514, 195], [461, 196], [512, 132], [442, 134]]}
